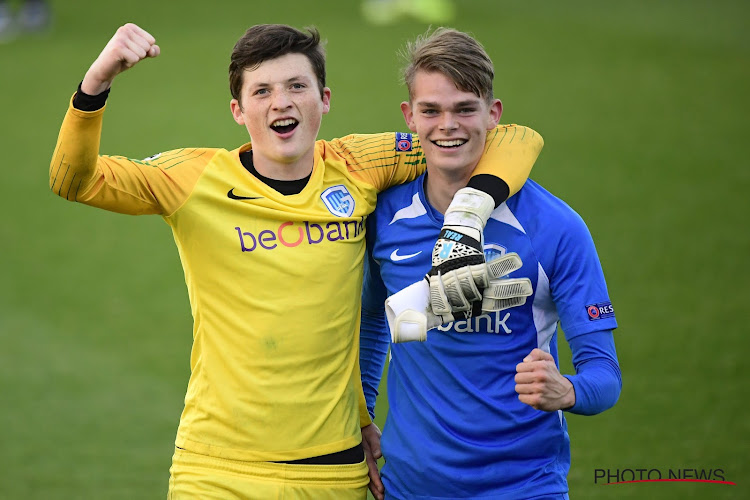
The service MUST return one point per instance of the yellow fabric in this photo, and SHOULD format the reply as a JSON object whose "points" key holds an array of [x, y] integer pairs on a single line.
{"points": [[274, 281], [195, 476], [513, 146]]}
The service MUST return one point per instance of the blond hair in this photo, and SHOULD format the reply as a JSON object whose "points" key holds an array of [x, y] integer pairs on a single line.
{"points": [[456, 55]]}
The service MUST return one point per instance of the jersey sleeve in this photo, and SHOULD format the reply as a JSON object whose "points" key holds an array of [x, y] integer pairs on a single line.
{"points": [[598, 381], [381, 160], [374, 337], [510, 152], [364, 415], [158, 185], [577, 282], [387, 159]]}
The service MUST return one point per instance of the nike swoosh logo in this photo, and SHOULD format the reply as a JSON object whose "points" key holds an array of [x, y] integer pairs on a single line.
{"points": [[395, 257], [233, 196]]}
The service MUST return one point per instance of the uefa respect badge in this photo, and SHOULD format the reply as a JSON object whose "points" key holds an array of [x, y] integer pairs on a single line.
{"points": [[403, 141], [600, 311]]}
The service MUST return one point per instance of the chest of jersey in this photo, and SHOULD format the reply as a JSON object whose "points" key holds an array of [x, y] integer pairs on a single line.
{"points": [[233, 217], [403, 251]]}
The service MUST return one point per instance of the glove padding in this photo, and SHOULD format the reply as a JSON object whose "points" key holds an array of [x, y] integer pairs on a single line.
{"points": [[410, 315], [458, 273]]}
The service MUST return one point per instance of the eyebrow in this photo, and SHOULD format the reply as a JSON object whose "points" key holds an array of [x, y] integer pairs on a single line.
{"points": [[460, 104], [294, 79]]}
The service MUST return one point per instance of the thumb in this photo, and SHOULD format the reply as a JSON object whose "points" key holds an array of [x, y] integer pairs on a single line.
{"points": [[375, 450], [537, 355], [153, 51], [374, 442]]}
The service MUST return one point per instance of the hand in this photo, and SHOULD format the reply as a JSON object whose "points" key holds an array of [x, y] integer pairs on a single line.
{"points": [[540, 384], [130, 45], [410, 314], [499, 292], [459, 273], [371, 445]]}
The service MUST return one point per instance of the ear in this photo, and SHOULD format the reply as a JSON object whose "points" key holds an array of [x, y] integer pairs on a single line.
{"points": [[496, 111], [234, 106], [408, 115], [326, 100]]}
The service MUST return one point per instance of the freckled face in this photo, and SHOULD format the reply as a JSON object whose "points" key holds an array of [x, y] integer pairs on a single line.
{"points": [[282, 108]]}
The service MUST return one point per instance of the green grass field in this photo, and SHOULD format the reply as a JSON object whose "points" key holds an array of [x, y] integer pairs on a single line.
{"points": [[642, 107]]}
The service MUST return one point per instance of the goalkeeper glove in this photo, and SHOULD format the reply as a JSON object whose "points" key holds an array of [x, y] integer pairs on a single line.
{"points": [[459, 273], [410, 315]]}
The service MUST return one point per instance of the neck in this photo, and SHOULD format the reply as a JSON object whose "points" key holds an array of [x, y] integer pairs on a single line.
{"points": [[441, 186], [284, 171]]}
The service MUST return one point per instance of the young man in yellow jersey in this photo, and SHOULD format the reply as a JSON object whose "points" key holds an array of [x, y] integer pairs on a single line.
{"points": [[274, 404]]}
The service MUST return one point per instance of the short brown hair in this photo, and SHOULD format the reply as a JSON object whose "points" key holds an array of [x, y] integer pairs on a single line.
{"points": [[456, 55], [264, 42]]}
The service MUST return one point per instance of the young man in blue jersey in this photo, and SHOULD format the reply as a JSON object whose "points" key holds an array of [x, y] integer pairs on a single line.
{"points": [[476, 410]]}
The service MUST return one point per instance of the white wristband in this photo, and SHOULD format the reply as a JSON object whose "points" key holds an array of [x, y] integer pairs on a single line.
{"points": [[470, 207]]}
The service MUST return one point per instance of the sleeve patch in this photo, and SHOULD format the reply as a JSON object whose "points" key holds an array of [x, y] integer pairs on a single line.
{"points": [[403, 141], [600, 311]]}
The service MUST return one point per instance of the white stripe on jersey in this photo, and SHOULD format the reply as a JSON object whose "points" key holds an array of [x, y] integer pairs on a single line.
{"points": [[503, 214], [544, 311], [413, 211]]}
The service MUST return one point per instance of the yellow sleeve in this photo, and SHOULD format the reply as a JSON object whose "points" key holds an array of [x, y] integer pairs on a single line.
{"points": [[386, 159], [509, 153], [382, 160], [158, 185]]}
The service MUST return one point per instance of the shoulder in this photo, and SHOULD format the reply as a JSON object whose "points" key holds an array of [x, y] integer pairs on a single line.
{"points": [[541, 212], [400, 194], [515, 136], [402, 197], [359, 145], [174, 157]]}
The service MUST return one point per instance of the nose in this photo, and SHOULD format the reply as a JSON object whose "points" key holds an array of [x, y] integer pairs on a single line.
{"points": [[448, 122], [281, 100]]}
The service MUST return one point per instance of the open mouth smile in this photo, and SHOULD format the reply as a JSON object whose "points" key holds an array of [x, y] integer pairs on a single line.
{"points": [[285, 125], [453, 143]]}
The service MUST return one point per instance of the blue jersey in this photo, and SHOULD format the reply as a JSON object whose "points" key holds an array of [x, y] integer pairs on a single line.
{"points": [[455, 427]]}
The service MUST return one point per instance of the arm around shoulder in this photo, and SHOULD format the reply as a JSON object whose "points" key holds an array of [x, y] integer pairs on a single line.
{"points": [[509, 155]]}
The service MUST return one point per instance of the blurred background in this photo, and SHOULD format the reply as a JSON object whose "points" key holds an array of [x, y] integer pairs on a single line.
{"points": [[643, 106]]}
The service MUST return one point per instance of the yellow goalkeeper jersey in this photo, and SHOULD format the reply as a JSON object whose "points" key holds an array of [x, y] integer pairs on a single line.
{"points": [[274, 281]]}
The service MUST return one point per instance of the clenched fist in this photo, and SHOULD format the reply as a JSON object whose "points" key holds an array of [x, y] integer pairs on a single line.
{"points": [[130, 45], [540, 384]]}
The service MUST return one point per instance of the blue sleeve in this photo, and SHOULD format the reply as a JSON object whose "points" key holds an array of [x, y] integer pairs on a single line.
{"points": [[577, 281], [374, 337], [597, 381]]}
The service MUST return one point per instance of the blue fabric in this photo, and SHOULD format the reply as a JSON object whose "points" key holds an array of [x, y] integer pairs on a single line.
{"points": [[455, 427]]}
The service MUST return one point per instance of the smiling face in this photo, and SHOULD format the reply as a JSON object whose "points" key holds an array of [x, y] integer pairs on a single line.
{"points": [[452, 124], [281, 105]]}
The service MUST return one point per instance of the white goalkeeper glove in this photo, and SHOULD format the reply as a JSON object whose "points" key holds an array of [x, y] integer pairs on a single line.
{"points": [[459, 273], [410, 315]]}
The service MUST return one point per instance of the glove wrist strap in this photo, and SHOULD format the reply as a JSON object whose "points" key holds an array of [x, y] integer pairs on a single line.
{"points": [[470, 208]]}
